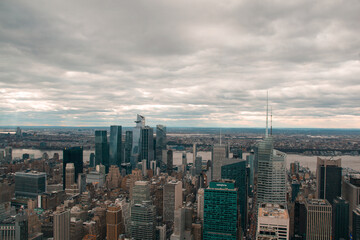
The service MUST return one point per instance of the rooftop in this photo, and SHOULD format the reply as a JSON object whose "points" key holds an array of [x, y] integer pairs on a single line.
{"points": [[273, 211]]}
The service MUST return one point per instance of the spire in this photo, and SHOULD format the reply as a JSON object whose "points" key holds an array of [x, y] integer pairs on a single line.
{"points": [[220, 136], [270, 120], [267, 114]]}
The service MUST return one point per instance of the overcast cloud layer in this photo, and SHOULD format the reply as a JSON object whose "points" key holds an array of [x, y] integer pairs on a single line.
{"points": [[180, 63]]}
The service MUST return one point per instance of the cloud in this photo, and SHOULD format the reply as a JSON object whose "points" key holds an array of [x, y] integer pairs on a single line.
{"points": [[180, 63]]}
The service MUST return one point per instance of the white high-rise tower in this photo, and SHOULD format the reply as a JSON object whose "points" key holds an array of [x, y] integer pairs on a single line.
{"points": [[271, 182]]}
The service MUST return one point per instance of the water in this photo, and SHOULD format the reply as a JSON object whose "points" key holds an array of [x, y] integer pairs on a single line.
{"points": [[306, 161], [17, 153]]}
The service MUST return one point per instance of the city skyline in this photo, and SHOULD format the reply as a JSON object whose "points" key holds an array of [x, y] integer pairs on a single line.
{"points": [[201, 64]]}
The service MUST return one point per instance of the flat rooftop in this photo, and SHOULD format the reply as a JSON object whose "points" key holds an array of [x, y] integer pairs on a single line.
{"points": [[273, 211], [320, 202]]}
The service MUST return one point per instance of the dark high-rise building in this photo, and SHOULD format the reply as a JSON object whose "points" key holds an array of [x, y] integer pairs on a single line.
{"points": [[92, 160], [198, 165], [160, 141], [351, 192], [300, 220], [29, 184], [235, 169], [328, 177], [221, 214], [340, 219], [356, 223], [147, 148], [295, 188], [101, 149], [128, 145], [73, 155], [169, 162], [115, 146]]}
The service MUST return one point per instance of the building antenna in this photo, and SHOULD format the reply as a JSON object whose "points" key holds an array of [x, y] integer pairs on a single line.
{"points": [[267, 114], [220, 136], [270, 120]]}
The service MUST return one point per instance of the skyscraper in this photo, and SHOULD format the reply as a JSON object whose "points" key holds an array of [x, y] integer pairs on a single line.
{"points": [[141, 192], [61, 224], [328, 177], [351, 193], [72, 155], [271, 182], [356, 223], [128, 145], [218, 156], [8, 154], [340, 218], [70, 175], [172, 199], [318, 220], [169, 162], [273, 222], [29, 184], [115, 146], [143, 221], [140, 123], [101, 149], [160, 141], [250, 160], [235, 169], [221, 214], [147, 148], [198, 165], [113, 222]]}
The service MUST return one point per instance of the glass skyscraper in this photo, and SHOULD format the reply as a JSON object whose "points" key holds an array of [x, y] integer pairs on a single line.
{"points": [[147, 145], [115, 146], [160, 142], [271, 183], [140, 123], [328, 177], [220, 211], [235, 169], [101, 149], [128, 145], [29, 184], [73, 155]]}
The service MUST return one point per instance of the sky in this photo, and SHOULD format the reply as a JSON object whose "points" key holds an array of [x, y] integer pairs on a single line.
{"points": [[202, 63]]}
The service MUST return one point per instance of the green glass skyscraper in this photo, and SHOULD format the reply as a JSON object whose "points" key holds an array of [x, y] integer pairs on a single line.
{"points": [[220, 211], [340, 218], [235, 169]]}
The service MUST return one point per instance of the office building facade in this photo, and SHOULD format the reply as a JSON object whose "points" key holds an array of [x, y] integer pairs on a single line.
{"points": [[115, 146], [173, 199], [235, 169], [340, 218], [271, 182], [143, 222], [61, 224], [221, 214], [161, 141], [218, 156], [128, 145], [147, 145], [328, 177], [101, 149], [73, 155], [318, 219], [273, 222], [29, 184]]}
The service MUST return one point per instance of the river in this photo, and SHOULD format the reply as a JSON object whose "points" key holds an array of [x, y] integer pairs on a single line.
{"points": [[306, 161]]}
